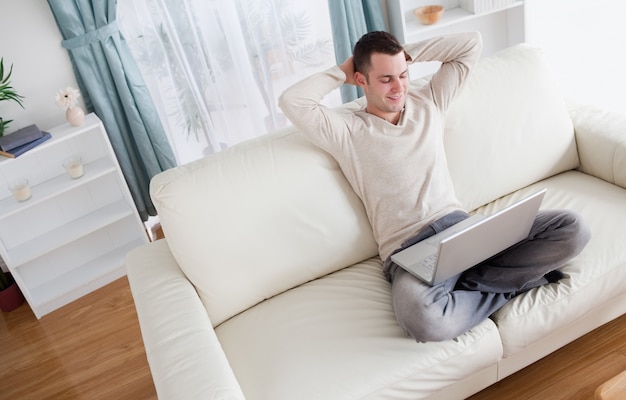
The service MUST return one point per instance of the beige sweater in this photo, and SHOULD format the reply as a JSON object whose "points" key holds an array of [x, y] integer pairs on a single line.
{"points": [[398, 171]]}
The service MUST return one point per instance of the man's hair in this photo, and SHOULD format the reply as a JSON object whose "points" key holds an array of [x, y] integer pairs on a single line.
{"points": [[374, 42]]}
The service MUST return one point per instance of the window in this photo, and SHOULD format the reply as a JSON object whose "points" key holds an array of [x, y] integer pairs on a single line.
{"points": [[215, 68]]}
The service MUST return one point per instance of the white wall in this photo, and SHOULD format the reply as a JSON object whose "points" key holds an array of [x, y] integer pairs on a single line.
{"points": [[31, 41], [586, 42]]}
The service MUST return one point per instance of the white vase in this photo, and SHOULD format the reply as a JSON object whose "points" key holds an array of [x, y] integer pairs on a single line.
{"points": [[75, 115]]}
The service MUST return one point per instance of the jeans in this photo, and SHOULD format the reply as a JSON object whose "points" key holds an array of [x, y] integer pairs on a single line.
{"points": [[451, 308]]}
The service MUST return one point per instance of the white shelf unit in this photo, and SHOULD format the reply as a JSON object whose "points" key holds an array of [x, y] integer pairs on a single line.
{"points": [[71, 237], [500, 28]]}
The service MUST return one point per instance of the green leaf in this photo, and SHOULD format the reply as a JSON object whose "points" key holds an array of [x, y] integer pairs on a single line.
{"points": [[5, 79], [7, 92]]}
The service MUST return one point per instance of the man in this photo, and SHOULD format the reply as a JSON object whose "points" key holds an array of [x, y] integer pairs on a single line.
{"points": [[392, 153]]}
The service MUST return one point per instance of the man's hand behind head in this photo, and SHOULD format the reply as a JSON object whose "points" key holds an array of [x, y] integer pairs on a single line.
{"points": [[348, 68]]}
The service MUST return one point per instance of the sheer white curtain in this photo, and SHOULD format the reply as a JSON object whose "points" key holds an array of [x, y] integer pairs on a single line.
{"points": [[215, 68]]}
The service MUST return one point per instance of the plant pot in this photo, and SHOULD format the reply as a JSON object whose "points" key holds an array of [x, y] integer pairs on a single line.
{"points": [[11, 298]]}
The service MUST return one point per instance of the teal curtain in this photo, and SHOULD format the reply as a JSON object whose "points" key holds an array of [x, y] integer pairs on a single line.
{"points": [[113, 88], [351, 19]]}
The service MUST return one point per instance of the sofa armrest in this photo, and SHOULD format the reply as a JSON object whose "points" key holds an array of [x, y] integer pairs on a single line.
{"points": [[183, 351], [601, 141]]}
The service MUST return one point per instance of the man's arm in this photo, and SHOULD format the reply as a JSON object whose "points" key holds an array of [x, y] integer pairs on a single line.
{"points": [[458, 54], [301, 103]]}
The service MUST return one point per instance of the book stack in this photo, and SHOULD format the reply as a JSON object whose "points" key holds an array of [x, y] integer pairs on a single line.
{"points": [[482, 6], [19, 142]]}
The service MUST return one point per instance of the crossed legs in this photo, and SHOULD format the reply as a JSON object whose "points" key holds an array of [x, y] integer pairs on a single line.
{"points": [[451, 308]]}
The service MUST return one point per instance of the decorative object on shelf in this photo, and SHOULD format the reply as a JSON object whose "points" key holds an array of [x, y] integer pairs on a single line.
{"points": [[20, 189], [482, 6], [20, 137], [67, 99], [73, 166], [10, 295], [7, 93], [14, 149], [429, 15], [75, 115]]}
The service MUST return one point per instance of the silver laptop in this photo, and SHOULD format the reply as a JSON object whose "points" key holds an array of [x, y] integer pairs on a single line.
{"points": [[471, 241]]}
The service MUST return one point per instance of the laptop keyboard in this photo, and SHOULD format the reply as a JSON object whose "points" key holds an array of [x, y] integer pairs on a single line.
{"points": [[429, 262]]}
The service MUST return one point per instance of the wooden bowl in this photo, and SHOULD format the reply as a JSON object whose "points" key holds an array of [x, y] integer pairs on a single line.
{"points": [[428, 15]]}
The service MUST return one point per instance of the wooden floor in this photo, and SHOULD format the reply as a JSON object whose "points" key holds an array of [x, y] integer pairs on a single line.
{"points": [[92, 349], [571, 373], [89, 349]]}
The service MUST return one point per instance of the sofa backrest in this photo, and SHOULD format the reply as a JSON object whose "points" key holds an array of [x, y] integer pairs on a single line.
{"points": [[260, 218], [266, 215], [510, 127]]}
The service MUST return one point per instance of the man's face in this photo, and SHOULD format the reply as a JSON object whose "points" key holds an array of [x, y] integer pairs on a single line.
{"points": [[386, 85]]}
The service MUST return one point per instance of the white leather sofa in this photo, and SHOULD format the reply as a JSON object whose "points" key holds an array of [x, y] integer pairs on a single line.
{"points": [[268, 284]]}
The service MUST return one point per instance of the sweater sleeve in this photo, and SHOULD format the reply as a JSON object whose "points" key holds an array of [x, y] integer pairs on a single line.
{"points": [[301, 103], [458, 53]]}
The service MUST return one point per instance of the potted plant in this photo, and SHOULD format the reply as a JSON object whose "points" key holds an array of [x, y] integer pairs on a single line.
{"points": [[10, 295], [8, 93]]}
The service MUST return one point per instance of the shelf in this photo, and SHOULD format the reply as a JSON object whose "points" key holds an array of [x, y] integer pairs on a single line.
{"points": [[59, 134], [450, 17], [71, 236], [56, 186], [69, 232], [71, 285]]}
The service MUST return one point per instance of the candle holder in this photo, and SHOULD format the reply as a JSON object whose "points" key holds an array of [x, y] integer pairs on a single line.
{"points": [[73, 167], [20, 189]]}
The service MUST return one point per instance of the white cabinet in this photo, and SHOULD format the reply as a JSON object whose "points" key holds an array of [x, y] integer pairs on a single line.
{"points": [[500, 28], [72, 235]]}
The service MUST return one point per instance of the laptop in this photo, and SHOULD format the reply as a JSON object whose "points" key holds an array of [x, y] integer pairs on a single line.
{"points": [[471, 241]]}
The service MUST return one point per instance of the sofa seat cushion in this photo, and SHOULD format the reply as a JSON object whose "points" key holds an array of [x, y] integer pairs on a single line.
{"points": [[337, 338], [592, 278]]}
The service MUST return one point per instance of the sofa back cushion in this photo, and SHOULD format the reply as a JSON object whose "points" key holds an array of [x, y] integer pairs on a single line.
{"points": [[510, 127], [260, 218]]}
